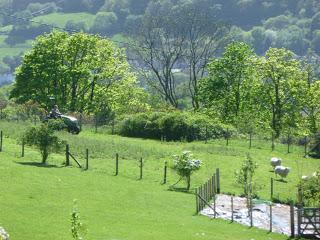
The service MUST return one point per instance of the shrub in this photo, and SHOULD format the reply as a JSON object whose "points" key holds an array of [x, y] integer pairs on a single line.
{"points": [[311, 190], [172, 125], [44, 139], [185, 165], [315, 146]]}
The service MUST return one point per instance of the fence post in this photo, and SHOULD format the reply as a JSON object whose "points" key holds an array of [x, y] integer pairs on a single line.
{"points": [[22, 149], [197, 199], [206, 134], [271, 188], [305, 146], [214, 205], [231, 208], [87, 159], [292, 219], [218, 180], [1, 140], [67, 156], [270, 217], [141, 165], [250, 140], [165, 173], [299, 221], [288, 142], [117, 164], [251, 217], [272, 145], [227, 136], [214, 184]]}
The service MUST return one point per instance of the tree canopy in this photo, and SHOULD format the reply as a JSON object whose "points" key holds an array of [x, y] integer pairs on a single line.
{"points": [[78, 70]]}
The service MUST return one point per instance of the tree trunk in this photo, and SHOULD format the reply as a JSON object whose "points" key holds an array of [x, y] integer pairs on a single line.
{"points": [[188, 182], [45, 155]]}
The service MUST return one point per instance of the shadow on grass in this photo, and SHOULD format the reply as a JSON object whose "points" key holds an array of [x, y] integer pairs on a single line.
{"points": [[180, 189], [36, 164]]}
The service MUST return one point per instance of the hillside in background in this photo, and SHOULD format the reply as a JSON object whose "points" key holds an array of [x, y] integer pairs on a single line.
{"points": [[293, 24]]}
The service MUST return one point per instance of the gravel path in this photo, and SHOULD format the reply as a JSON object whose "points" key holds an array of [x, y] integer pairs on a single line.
{"points": [[261, 214]]}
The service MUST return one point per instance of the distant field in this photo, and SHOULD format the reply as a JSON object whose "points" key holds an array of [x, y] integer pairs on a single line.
{"points": [[11, 51], [60, 19]]}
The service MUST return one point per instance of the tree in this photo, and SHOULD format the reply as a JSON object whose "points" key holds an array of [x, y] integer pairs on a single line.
{"points": [[282, 89], [159, 44], [104, 23], [185, 165], [44, 139], [204, 36], [78, 70], [244, 177], [228, 88]]}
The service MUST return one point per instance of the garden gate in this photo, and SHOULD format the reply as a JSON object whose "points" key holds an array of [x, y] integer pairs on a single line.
{"points": [[309, 222]]}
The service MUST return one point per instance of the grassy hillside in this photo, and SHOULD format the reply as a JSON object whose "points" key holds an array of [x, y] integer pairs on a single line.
{"points": [[60, 19], [36, 201]]}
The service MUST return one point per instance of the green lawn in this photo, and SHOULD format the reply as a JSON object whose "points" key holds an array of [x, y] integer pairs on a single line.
{"points": [[36, 201], [60, 19]]}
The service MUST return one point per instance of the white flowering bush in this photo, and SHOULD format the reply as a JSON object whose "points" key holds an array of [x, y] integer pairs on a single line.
{"points": [[185, 165]]}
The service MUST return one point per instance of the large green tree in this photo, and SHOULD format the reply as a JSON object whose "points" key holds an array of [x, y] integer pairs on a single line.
{"points": [[78, 70], [229, 87], [283, 89]]}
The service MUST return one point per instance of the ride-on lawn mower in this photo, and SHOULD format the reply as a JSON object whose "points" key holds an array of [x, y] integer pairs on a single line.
{"points": [[71, 123]]}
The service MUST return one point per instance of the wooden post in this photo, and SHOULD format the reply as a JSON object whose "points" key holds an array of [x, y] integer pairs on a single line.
{"points": [[197, 199], [272, 145], [87, 159], [288, 142], [117, 164], [165, 173], [206, 134], [251, 215], [112, 131], [227, 136], [141, 165], [214, 206], [218, 180], [22, 149], [271, 188], [270, 217], [299, 221], [96, 123], [214, 184], [200, 194], [231, 208], [250, 140], [67, 156], [305, 146], [1, 140], [292, 219]]}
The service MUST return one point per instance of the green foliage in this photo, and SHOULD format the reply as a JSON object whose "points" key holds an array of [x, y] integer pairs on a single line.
{"points": [[83, 73], [44, 139], [229, 90], [185, 165], [244, 176], [311, 190], [104, 23], [78, 230], [172, 126]]}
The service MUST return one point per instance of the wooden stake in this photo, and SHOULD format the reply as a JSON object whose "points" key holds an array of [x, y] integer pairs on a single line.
{"points": [[87, 159], [165, 173], [117, 164], [67, 156]]}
